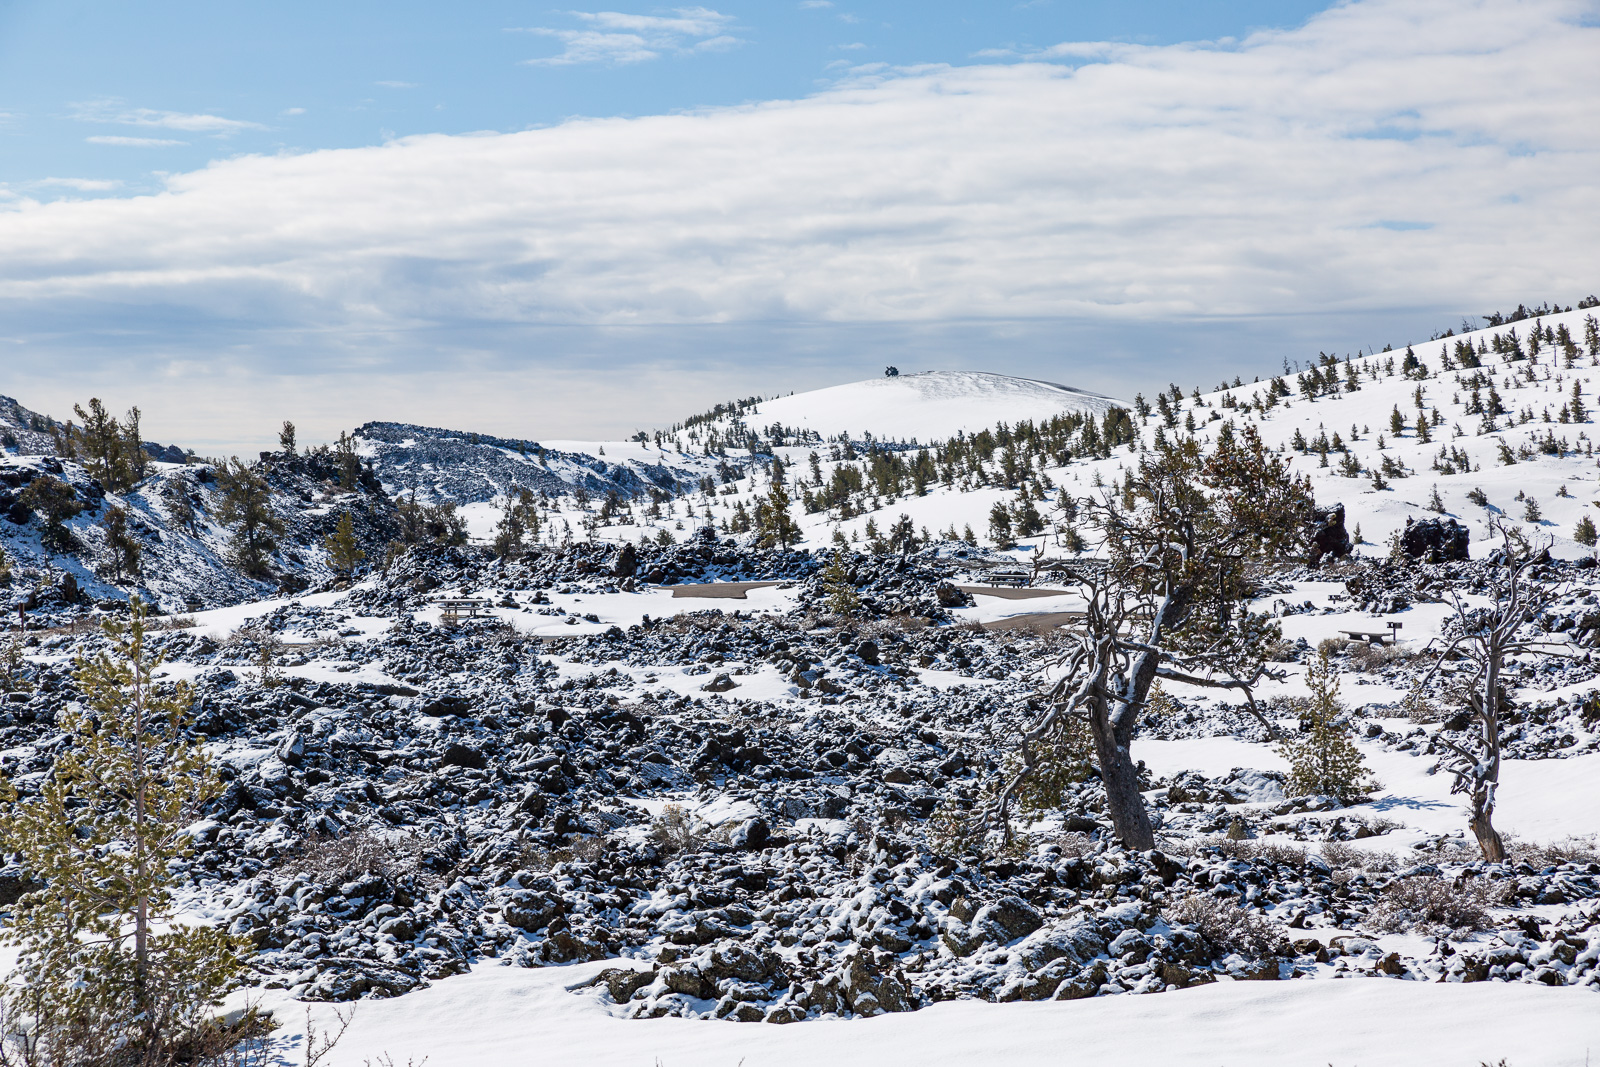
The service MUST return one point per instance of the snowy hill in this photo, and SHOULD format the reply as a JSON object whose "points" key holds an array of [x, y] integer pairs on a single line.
{"points": [[1337, 423], [929, 406]]}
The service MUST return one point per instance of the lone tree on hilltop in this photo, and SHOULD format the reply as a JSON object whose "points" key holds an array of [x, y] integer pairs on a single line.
{"points": [[102, 980]]}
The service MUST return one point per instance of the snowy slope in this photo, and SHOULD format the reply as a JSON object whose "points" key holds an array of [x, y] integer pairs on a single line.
{"points": [[929, 406], [1564, 485]]}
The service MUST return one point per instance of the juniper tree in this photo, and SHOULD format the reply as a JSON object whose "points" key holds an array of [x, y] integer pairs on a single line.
{"points": [[1583, 532], [1184, 536], [1323, 760], [286, 438], [103, 976], [247, 507], [344, 551]]}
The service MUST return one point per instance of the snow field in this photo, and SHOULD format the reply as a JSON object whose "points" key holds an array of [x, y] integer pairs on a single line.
{"points": [[511, 1017]]}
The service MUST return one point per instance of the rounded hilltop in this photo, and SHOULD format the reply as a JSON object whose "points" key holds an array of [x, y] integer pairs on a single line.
{"points": [[928, 406]]}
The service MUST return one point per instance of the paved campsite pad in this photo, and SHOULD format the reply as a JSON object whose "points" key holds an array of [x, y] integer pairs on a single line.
{"points": [[720, 590], [1012, 592], [1038, 622]]}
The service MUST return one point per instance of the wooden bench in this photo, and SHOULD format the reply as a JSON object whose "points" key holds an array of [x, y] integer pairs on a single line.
{"points": [[1372, 637], [455, 609]]}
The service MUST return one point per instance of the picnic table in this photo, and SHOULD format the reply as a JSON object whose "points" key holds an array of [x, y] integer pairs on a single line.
{"points": [[456, 608], [1014, 578], [1375, 637]]}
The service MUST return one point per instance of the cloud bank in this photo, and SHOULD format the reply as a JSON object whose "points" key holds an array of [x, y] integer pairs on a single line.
{"points": [[1420, 154]]}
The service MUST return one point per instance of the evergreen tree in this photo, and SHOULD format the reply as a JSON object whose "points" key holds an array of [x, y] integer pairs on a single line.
{"points": [[5, 569], [1323, 761], [57, 502], [123, 546], [286, 438], [774, 524], [99, 982], [840, 590], [247, 507], [1584, 532], [344, 552], [179, 510], [344, 454], [1000, 525]]}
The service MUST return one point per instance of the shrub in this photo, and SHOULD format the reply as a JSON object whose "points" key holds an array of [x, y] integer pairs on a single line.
{"points": [[1424, 902], [675, 831], [327, 858], [1229, 927]]}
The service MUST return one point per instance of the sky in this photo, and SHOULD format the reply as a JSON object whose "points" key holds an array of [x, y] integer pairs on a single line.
{"points": [[558, 223]]}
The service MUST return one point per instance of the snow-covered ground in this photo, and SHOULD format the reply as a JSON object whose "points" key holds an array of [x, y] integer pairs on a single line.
{"points": [[510, 1017]]}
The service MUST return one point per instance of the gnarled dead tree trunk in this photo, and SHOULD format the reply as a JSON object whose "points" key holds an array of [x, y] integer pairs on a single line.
{"points": [[1488, 637]]}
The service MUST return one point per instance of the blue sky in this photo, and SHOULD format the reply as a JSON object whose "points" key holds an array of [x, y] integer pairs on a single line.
{"points": [[102, 91], [563, 222]]}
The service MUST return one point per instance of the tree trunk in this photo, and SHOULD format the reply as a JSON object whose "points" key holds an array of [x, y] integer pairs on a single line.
{"points": [[1121, 778], [1494, 850]]}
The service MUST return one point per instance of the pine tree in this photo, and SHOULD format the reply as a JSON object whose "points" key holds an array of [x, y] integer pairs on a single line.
{"points": [[344, 454], [774, 524], [841, 592], [286, 438], [102, 836], [1000, 525], [1584, 532], [57, 502], [344, 552], [5, 569], [247, 507], [123, 546], [1323, 761]]}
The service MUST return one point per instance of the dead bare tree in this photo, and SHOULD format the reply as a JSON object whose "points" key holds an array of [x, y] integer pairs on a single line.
{"points": [[1180, 536], [1488, 636]]}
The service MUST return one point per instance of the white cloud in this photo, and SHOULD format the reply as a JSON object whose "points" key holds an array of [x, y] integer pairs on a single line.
{"points": [[111, 111], [811, 5], [396, 85], [293, 111], [854, 46], [83, 185], [617, 38], [133, 142], [1391, 154]]}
